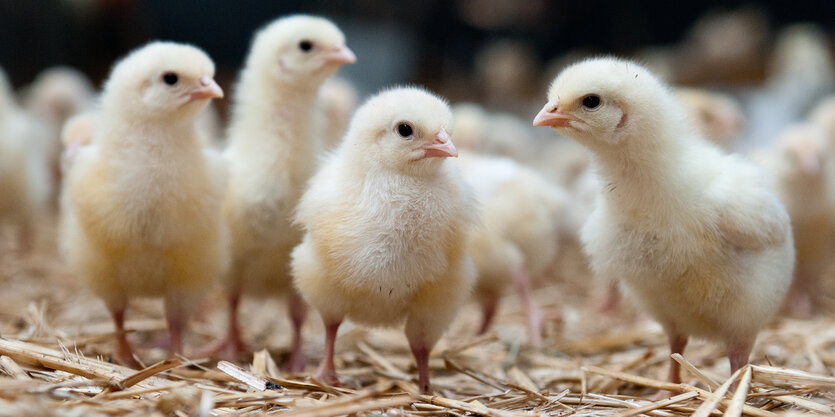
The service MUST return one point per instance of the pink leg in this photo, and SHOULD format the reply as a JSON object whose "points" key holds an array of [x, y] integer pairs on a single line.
{"points": [[298, 311], [489, 303], [522, 282], [612, 300], [421, 354], [326, 372], [739, 352], [122, 352], [232, 345], [678, 342], [175, 315]]}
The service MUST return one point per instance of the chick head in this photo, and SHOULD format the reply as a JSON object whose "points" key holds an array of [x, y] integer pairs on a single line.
{"points": [[803, 149], [604, 101], [300, 50], [162, 81], [404, 129]]}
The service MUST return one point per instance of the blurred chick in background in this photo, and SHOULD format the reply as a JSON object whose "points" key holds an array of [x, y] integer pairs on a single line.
{"points": [[805, 179], [519, 237], [25, 176], [143, 200], [54, 96], [272, 152], [386, 222], [716, 116]]}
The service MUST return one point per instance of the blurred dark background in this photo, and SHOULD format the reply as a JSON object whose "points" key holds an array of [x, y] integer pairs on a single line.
{"points": [[436, 42]]}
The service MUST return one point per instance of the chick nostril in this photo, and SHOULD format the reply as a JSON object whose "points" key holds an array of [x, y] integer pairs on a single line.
{"points": [[205, 80]]}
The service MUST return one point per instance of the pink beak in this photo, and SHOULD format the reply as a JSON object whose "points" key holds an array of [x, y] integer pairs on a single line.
{"points": [[549, 116], [442, 147], [208, 89], [340, 55]]}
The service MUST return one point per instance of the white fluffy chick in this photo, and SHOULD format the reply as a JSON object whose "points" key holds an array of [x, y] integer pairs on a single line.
{"points": [[804, 178], [272, 152], [518, 240], [24, 172], [716, 117], [386, 222], [696, 236], [57, 94], [143, 201]]}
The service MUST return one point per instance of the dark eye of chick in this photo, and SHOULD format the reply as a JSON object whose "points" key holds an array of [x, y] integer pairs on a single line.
{"points": [[591, 101], [170, 78], [404, 130], [306, 45]]}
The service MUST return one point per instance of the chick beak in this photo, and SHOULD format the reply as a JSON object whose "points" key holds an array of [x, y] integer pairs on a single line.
{"points": [[809, 164], [208, 89], [550, 116], [442, 147], [340, 55]]}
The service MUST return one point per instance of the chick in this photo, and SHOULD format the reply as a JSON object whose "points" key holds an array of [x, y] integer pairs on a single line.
{"points": [[805, 186], [697, 237], [57, 94], [272, 153], [143, 201], [716, 117], [24, 172], [522, 215], [386, 223]]}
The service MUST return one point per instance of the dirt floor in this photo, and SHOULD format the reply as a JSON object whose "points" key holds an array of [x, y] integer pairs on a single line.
{"points": [[55, 340]]}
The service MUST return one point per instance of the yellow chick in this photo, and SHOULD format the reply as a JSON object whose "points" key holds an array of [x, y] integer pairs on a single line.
{"points": [[804, 181], [519, 237], [696, 236], [386, 223], [272, 153], [143, 200], [24, 172]]}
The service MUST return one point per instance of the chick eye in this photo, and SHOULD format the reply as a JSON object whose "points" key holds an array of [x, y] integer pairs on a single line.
{"points": [[591, 101], [170, 78], [404, 130], [306, 45]]}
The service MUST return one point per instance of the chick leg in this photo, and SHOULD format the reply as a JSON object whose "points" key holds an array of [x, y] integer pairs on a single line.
{"points": [[122, 352], [326, 372], [739, 350], [298, 311], [677, 342], [232, 345], [175, 315], [612, 299], [523, 285], [489, 304]]}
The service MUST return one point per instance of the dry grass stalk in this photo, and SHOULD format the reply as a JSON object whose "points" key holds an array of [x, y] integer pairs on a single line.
{"points": [[659, 404], [741, 394]]}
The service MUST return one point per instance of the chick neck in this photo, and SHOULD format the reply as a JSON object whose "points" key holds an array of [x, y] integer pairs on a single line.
{"points": [[647, 172], [283, 111]]}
